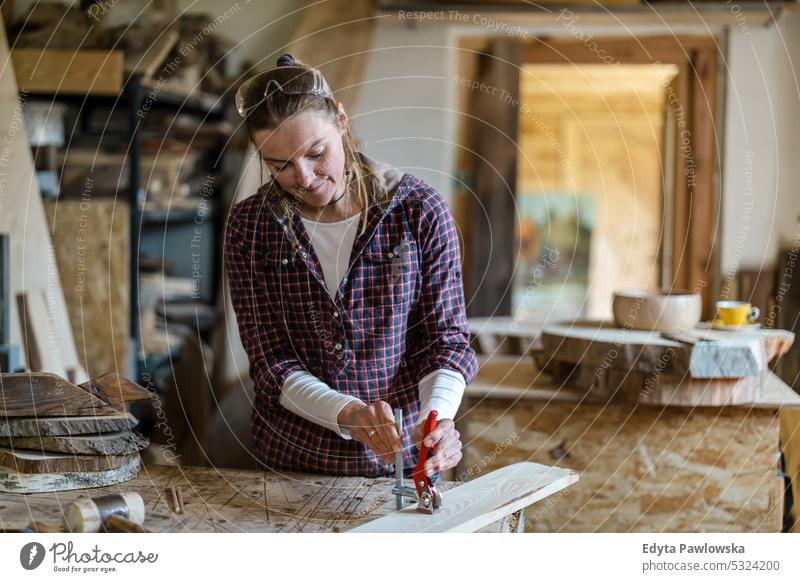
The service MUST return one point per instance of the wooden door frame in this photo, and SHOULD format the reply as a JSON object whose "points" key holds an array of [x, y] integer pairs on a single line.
{"points": [[695, 192]]}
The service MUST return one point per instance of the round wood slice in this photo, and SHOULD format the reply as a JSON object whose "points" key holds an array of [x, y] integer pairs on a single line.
{"points": [[113, 443], [30, 461], [13, 482], [69, 425]]}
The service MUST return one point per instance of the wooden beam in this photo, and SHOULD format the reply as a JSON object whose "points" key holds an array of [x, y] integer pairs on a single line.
{"points": [[496, 114], [478, 503]]}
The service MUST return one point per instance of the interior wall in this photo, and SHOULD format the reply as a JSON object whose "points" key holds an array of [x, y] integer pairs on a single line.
{"points": [[761, 176], [760, 129]]}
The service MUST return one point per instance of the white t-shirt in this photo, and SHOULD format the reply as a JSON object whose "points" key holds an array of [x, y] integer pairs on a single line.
{"points": [[309, 397], [333, 243]]}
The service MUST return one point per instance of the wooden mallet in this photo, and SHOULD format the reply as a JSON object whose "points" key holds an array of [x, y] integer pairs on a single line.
{"points": [[124, 512]]}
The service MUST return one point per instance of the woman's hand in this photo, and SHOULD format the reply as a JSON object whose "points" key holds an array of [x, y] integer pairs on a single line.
{"points": [[373, 425], [447, 443]]}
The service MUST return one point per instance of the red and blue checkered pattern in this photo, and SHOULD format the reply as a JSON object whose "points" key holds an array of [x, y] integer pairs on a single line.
{"points": [[398, 315]]}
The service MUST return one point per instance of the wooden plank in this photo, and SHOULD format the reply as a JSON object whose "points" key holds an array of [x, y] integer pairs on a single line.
{"points": [[65, 426], [114, 443], [514, 378], [31, 461], [91, 247], [30, 256], [13, 482], [61, 71], [47, 395], [116, 391], [478, 503]]}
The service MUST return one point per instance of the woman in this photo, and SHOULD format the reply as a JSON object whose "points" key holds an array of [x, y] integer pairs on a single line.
{"points": [[345, 276]]}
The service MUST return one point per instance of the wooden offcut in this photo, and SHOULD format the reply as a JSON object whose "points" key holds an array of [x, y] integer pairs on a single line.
{"points": [[47, 395], [478, 503], [112, 443], [63, 71], [65, 425], [32, 461], [116, 391]]}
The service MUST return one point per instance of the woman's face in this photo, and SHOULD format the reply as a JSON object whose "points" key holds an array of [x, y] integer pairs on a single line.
{"points": [[306, 156]]}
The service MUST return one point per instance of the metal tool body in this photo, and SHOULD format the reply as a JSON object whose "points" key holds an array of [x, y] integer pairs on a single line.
{"points": [[424, 492]]}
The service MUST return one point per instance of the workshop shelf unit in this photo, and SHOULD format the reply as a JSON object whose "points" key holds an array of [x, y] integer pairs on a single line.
{"points": [[166, 233]]}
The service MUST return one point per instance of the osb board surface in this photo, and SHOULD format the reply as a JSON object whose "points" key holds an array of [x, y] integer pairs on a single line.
{"points": [[643, 469], [228, 501], [91, 245]]}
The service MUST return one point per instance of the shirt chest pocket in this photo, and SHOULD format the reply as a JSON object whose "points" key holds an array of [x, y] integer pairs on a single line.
{"points": [[391, 274], [286, 282]]}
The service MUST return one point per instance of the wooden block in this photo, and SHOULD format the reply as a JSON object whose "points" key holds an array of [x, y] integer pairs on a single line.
{"points": [[13, 482], [47, 395], [31, 461], [83, 72], [65, 426], [114, 443], [115, 390], [478, 503]]}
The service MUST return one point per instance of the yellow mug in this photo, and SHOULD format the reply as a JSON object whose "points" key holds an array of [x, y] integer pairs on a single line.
{"points": [[737, 312]]}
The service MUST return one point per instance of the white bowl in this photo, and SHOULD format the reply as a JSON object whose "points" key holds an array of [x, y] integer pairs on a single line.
{"points": [[656, 309]]}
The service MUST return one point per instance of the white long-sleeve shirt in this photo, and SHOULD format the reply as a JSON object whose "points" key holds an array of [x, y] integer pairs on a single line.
{"points": [[309, 397]]}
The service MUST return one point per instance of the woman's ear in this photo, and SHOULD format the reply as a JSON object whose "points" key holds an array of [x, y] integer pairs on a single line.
{"points": [[341, 117]]}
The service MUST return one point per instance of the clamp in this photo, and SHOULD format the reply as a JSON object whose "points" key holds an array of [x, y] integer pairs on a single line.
{"points": [[424, 493]]}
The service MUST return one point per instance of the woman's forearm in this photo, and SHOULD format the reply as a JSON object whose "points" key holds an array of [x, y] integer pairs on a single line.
{"points": [[306, 395], [441, 390]]}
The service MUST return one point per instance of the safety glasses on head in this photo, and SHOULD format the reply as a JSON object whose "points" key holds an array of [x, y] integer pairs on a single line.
{"points": [[286, 79]]}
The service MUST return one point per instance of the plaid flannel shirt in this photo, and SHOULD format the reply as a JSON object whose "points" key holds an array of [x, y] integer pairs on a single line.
{"points": [[398, 314]]}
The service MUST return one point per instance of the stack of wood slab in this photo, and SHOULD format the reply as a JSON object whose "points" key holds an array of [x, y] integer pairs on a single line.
{"points": [[698, 367], [57, 436]]}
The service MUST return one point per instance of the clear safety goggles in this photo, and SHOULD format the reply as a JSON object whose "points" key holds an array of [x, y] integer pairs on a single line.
{"points": [[297, 81]]}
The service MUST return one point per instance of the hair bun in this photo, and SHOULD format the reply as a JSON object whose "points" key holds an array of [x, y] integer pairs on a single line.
{"points": [[286, 60]]}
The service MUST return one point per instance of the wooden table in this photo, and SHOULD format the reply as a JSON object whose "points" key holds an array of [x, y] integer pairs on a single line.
{"points": [[224, 500], [643, 468]]}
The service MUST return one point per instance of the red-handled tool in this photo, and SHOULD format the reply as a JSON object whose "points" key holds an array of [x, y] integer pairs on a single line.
{"points": [[425, 493]]}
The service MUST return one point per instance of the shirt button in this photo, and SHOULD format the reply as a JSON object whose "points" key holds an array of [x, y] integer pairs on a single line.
{"points": [[336, 314], [284, 261], [338, 347], [391, 255], [304, 255]]}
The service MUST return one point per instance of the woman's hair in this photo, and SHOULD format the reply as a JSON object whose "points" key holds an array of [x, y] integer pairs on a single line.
{"points": [[272, 97]]}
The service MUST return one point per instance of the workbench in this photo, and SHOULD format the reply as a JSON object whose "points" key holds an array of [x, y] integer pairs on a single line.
{"points": [[643, 468], [225, 500]]}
